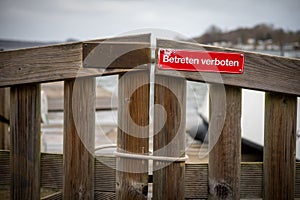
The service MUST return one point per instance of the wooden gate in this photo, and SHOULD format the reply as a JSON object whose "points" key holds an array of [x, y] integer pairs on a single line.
{"points": [[77, 64]]}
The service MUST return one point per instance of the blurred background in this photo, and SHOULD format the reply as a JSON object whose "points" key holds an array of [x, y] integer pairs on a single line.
{"points": [[267, 26], [60, 20]]}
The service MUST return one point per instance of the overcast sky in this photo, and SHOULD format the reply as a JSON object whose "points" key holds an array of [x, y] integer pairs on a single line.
{"points": [[58, 20]]}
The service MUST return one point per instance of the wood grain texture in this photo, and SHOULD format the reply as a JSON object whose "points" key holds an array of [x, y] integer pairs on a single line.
{"points": [[105, 195], [52, 170], [114, 55], [4, 112], [297, 181], [251, 185], [64, 61], [79, 138], [55, 196], [224, 142], [196, 181], [133, 135], [25, 118], [105, 174], [5, 167], [169, 137], [40, 64], [280, 146], [261, 72], [196, 176]]}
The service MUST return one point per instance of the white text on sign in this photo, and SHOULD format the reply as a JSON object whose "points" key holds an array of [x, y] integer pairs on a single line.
{"points": [[222, 62]]}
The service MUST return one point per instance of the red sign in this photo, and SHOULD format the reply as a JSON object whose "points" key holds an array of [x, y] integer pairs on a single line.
{"points": [[203, 61]]}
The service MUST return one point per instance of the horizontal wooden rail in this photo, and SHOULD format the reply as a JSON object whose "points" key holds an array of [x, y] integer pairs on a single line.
{"points": [[196, 185], [115, 55], [66, 61], [261, 72]]}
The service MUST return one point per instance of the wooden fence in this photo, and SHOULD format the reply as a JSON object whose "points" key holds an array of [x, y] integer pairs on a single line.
{"points": [[80, 176]]}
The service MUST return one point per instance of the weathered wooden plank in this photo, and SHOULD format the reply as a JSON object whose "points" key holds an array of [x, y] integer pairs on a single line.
{"points": [[25, 118], [105, 174], [105, 195], [114, 55], [52, 171], [224, 142], [279, 146], [297, 181], [262, 72], [169, 137], [79, 138], [5, 168], [133, 135], [251, 180], [65, 61], [4, 112], [196, 176], [196, 184], [55, 196], [40, 64]]}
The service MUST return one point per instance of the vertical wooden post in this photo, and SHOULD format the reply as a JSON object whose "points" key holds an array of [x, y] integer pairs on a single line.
{"points": [[133, 135], [25, 141], [169, 138], [79, 138], [4, 112], [225, 155], [280, 146]]}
